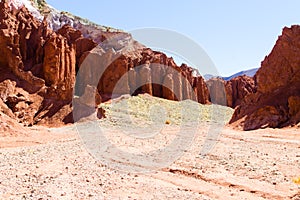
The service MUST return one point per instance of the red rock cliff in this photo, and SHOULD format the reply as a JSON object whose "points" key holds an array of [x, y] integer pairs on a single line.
{"points": [[276, 102], [42, 65], [230, 93], [147, 71]]}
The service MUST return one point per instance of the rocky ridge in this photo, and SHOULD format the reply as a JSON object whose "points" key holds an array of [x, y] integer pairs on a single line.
{"points": [[276, 103], [40, 66]]}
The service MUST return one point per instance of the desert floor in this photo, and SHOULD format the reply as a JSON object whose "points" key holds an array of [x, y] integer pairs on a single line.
{"points": [[55, 164]]}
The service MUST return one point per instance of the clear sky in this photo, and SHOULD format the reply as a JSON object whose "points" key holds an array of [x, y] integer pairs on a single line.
{"points": [[237, 35]]}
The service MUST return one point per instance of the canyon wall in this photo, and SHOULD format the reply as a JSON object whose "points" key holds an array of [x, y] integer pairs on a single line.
{"points": [[277, 99], [39, 67]]}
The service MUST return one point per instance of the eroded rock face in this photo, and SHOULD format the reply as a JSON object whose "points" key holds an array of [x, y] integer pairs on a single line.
{"points": [[40, 63], [141, 71], [230, 93], [239, 88], [87, 104], [201, 90], [278, 87], [282, 66], [43, 63], [59, 66], [217, 91], [18, 103], [267, 116], [16, 42], [294, 109]]}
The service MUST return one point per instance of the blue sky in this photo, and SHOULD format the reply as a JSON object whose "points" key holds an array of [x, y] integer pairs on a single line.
{"points": [[237, 35]]}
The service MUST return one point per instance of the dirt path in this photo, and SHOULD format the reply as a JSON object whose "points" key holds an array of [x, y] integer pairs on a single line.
{"points": [[243, 165]]}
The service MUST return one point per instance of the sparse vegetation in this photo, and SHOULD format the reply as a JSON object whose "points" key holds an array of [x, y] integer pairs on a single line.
{"points": [[296, 180], [40, 4], [168, 122], [145, 110]]}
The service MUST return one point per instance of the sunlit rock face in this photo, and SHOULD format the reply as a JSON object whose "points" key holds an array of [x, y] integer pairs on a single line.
{"points": [[43, 58], [276, 102]]}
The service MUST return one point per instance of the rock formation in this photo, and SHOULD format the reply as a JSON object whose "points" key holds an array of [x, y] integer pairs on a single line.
{"points": [[239, 88], [217, 91], [45, 61], [140, 71], [277, 99], [230, 93], [39, 67]]}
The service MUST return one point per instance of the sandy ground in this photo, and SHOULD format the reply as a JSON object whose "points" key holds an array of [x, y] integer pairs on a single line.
{"points": [[242, 165], [47, 163]]}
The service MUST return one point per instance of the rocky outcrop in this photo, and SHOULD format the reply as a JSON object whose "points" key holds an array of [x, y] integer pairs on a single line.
{"points": [[239, 88], [281, 67], [294, 109], [230, 93], [18, 103], [201, 90], [43, 64], [16, 46], [276, 102], [138, 70], [59, 66], [40, 63], [146, 71], [217, 91]]}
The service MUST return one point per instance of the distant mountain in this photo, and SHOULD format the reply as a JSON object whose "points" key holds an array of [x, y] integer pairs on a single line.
{"points": [[208, 76], [250, 72]]}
